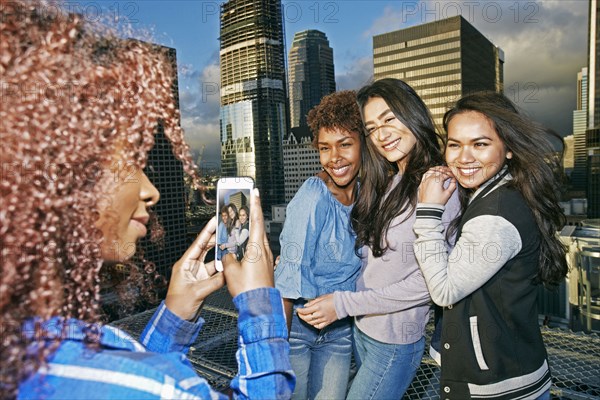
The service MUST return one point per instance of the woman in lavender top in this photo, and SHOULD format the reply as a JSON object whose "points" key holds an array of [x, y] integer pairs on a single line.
{"points": [[317, 249], [391, 301]]}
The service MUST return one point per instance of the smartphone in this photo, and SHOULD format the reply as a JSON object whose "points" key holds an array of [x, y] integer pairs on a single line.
{"points": [[233, 217]]}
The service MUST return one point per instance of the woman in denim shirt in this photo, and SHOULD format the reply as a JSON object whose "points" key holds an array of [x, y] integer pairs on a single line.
{"points": [[391, 301], [317, 249]]}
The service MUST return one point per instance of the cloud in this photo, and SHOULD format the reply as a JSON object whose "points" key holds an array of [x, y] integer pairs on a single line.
{"points": [[200, 102], [544, 42], [356, 74]]}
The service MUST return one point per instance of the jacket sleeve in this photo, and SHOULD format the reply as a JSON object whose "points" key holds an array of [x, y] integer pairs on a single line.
{"points": [[303, 223], [264, 369], [166, 332], [486, 243]]}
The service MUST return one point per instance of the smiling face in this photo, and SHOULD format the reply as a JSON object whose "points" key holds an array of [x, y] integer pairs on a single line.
{"points": [[123, 210], [243, 216], [392, 139], [339, 153], [474, 152], [224, 216]]}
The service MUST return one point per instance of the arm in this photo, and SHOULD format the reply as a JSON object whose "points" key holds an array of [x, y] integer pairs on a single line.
{"points": [[298, 240], [264, 370], [402, 295], [241, 236], [486, 243]]}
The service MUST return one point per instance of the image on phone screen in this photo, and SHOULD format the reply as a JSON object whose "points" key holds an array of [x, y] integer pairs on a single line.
{"points": [[233, 218]]}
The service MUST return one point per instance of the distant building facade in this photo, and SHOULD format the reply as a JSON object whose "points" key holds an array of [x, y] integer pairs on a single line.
{"points": [[166, 173], [253, 116], [593, 132], [580, 125], [310, 73], [441, 60], [300, 160]]}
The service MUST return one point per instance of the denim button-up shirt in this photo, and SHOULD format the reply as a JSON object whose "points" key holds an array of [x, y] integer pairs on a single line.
{"points": [[317, 245], [157, 366]]}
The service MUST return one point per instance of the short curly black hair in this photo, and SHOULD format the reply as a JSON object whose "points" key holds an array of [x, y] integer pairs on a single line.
{"points": [[336, 110]]}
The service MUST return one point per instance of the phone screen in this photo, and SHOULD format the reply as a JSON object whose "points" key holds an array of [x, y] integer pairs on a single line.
{"points": [[233, 218]]}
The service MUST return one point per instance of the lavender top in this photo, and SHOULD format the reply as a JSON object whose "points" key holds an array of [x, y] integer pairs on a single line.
{"points": [[391, 301]]}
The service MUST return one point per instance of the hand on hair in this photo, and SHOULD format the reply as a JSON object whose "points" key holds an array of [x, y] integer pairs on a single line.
{"points": [[437, 185], [256, 268], [319, 312], [191, 279]]}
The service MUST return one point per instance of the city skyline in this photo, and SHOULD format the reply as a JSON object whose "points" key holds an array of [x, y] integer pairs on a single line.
{"points": [[545, 45]]}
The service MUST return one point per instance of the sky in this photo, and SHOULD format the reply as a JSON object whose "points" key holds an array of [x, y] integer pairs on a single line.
{"points": [[544, 42]]}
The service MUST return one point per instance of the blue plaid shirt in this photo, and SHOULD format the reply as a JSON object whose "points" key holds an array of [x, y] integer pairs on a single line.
{"points": [[157, 366]]}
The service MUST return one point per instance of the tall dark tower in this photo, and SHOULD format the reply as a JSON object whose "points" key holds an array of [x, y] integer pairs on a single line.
{"points": [[253, 94], [592, 135], [165, 171], [311, 73]]}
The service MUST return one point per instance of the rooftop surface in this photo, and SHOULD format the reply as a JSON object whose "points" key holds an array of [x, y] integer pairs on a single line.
{"points": [[574, 357]]}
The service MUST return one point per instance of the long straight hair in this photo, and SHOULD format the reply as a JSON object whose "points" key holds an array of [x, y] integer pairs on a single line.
{"points": [[534, 166], [372, 215]]}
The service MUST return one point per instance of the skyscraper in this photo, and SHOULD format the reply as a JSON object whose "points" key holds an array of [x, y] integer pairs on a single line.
{"points": [[311, 73], [593, 60], [165, 172], [253, 116], [441, 60], [578, 176], [593, 132]]}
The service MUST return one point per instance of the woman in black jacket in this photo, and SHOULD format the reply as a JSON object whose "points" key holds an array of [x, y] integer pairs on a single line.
{"points": [[504, 163]]}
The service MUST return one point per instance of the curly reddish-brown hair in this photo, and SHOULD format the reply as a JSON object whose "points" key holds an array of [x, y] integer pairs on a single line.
{"points": [[337, 110], [73, 95]]}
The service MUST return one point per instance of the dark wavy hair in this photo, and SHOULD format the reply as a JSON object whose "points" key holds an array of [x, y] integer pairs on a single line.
{"points": [[73, 95], [231, 221], [371, 216], [336, 110], [534, 166]]}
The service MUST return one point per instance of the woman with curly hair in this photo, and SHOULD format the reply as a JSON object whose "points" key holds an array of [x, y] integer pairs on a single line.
{"points": [[79, 112], [506, 246], [317, 245], [391, 303]]}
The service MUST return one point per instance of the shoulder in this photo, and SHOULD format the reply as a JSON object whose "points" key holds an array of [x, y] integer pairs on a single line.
{"points": [[312, 191], [506, 202]]}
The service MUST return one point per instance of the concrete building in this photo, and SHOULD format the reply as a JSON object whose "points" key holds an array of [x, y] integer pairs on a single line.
{"points": [[310, 73], [592, 142], [300, 160], [166, 173], [441, 60], [253, 117], [580, 125]]}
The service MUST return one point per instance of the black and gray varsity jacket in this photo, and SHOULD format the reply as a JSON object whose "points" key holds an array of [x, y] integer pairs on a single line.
{"points": [[491, 345]]}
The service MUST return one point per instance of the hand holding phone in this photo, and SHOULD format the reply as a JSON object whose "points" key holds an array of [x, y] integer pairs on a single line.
{"points": [[233, 217]]}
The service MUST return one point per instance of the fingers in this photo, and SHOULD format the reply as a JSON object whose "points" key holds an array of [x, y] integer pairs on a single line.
{"points": [[203, 242], [440, 172], [257, 232], [229, 259], [210, 268]]}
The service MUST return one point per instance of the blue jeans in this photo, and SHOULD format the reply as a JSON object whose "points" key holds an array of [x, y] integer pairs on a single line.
{"points": [[321, 359], [384, 370], [545, 396]]}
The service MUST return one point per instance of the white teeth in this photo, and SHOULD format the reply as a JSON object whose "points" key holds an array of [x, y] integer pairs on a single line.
{"points": [[340, 170], [468, 171], [391, 145]]}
